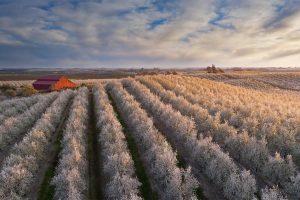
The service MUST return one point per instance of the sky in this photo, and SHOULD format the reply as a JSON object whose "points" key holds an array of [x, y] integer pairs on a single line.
{"points": [[149, 33]]}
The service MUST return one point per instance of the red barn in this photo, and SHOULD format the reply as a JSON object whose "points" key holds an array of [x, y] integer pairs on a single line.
{"points": [[49, 83]]}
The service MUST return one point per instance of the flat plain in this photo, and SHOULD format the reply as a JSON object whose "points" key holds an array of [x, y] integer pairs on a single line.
{"points": [[233, 135]]}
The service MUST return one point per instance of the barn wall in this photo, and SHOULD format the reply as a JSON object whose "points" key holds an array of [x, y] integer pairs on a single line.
{"points": [[63, 83], [41, 86]]}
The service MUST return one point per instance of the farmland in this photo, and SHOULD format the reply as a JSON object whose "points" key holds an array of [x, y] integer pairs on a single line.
{"points": [[230, 136], [264, 80]]}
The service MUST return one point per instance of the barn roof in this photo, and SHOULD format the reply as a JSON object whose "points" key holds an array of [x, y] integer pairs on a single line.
{"points": [[41, 82], [50, 78], [45, 82]]}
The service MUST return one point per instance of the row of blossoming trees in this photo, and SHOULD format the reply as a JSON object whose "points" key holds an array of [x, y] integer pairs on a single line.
{"points": [[187, 133], [223, 113]]}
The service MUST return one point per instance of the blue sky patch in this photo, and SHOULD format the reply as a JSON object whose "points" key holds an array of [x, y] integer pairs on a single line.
{"points": [[157, 23], [47, 6]]}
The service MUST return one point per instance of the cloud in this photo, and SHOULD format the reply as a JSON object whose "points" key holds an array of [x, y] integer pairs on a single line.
{"points": [[107, 33], [284, 11]]}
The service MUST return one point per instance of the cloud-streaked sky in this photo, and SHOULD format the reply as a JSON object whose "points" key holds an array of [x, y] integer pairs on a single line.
{"points": [[149, 33]]}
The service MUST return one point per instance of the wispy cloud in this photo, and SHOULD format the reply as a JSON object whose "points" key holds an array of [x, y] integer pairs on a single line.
{"points": [[283, 11], [112, 33]]}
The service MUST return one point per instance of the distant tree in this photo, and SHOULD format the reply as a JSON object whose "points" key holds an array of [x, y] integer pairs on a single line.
{"points": [[214, 69], [209, 69], [220, 70]]}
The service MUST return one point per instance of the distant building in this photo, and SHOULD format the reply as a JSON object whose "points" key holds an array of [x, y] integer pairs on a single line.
{"points": [[50, 83]]}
